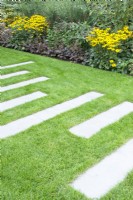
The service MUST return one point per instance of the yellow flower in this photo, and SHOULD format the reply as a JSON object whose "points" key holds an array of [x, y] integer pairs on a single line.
{"points": [[117, 50], [111, 61], [113, 65], [107, 40], [35, 24]]}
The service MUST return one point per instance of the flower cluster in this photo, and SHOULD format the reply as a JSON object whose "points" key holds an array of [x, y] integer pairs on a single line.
{"points": [[19, 23], [112, 63], [7, 20], [107, 40], [34, 24]]}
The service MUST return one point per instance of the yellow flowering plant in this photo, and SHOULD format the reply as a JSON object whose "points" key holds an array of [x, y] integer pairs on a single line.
{"points": [[25, 28], [107, 47], [34, 24], [6, 21]]}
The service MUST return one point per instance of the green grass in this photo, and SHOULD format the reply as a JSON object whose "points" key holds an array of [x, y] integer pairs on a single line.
{"points": [[41, 162]]}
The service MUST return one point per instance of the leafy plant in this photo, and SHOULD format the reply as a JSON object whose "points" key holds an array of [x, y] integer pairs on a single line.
{"points": [[68, 34], [24, 28], [111, 51], [5, 35], [55, 10], [114, 14]]}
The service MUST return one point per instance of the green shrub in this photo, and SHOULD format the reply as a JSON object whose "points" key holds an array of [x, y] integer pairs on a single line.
{"points": [[56, 10], [8, 9], [68, 34], [101, 13], [114, 13], [69, 11]]}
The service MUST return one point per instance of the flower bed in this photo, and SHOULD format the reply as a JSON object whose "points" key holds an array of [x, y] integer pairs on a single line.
{"points": [[95, 42]]}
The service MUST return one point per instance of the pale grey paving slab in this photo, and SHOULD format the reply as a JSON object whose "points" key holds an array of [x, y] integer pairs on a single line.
{"points": [[22, 84], [95, 124], [21, 100], [41, 116], [101, 178], [13, 74], [16, 65]]}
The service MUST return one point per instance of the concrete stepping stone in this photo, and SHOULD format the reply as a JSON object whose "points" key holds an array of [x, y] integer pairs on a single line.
{"points": [[13, 74], [100, 179], [41, 116], [16, 65], [22, 84], [21, 100], [95, 124]]}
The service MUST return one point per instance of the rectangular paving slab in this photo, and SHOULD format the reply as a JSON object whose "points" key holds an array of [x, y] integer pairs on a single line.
{"points": [[20, 100], [22, 84], [16, 65], [95, 124], [13, 74], [41, 116], [100, 179]]}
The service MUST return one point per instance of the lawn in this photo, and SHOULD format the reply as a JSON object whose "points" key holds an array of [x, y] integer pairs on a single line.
{"points": [[41, 162]]}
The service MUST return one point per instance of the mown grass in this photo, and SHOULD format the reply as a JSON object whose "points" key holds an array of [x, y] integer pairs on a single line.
{"points": [[41, 162]]}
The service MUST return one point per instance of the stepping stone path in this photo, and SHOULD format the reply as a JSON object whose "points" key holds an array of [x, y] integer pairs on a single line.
{"points": [[41, 116], [13, 74], [20, 100], [16, 65], [22, 84], [95, 124], [101, 178]]}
